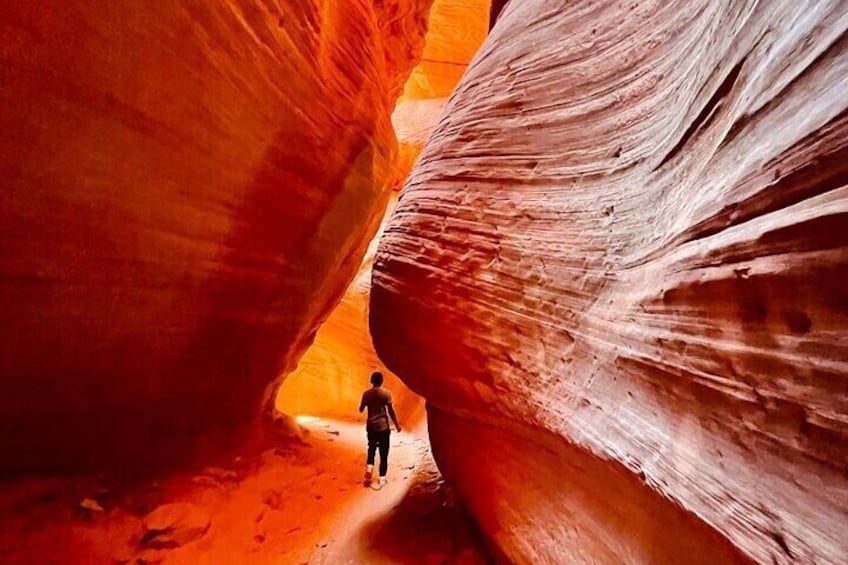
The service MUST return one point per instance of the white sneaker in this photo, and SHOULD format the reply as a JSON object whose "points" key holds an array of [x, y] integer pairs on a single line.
{"points": [[382, 481]]}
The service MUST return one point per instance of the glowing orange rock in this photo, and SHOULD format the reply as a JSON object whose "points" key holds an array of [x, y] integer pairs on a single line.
{"points": [[188, 188], [413, 120], [617, 275], [455, 31]]}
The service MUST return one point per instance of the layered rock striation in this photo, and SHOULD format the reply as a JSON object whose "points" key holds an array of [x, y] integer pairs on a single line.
{"points": [[188, 190], [617, 274]]}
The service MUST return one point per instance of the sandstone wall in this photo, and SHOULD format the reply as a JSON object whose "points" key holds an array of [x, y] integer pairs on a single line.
{"points": [[617, 274], [188, 189]]}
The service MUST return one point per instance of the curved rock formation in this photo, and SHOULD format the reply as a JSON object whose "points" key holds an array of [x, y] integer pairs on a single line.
{"points": [[617, 275], [188, 189]]}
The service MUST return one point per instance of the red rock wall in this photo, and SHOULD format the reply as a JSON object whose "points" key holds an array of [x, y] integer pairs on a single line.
{"points": [[188, 187], [617, 274]]}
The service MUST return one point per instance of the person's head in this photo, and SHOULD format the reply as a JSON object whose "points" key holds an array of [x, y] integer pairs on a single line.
{"points": [[376, 378]]}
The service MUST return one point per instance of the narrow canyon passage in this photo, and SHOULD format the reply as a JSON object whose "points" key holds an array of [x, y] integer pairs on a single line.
{"points": [[598, 249], [294, 494]]}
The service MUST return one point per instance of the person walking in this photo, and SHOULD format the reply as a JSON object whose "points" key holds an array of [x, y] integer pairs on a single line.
{"points": [[378, 401]]}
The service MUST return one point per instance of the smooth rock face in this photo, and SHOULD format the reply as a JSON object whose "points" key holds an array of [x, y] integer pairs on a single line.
{"points": [[188, 188], [617, 274]]}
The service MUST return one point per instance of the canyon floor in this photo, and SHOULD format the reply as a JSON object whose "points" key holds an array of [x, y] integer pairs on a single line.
{"points": [[299, 504]]}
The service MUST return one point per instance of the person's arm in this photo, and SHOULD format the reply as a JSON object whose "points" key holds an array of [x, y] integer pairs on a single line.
{"points": [[391, 410], [362, 403]]}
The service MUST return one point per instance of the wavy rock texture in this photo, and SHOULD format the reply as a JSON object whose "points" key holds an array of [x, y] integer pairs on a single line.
{"points": [[331, 375], [188, 189], [617, 275], [456, 30]]}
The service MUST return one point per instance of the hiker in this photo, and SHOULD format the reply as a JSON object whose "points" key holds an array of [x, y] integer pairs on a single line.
{"points": [[379, 403]]}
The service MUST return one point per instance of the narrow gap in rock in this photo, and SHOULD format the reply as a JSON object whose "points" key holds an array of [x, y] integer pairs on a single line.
{"points": [[702, 120], [296, 493]]}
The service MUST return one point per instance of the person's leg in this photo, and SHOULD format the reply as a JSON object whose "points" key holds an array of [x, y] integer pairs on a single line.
{"points": [[384, 452], [373, 442]]}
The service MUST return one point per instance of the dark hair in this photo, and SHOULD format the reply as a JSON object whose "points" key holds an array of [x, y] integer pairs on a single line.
{"points": [[376, 378]]}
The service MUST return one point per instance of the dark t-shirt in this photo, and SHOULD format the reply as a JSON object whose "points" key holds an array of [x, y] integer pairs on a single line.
{"points": [[377, 400]]}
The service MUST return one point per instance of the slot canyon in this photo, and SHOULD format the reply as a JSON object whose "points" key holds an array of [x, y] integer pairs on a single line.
{"points": [[595, 248]]}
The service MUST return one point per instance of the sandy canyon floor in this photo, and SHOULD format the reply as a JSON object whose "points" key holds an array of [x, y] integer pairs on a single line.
{"points": [[299, 504]]}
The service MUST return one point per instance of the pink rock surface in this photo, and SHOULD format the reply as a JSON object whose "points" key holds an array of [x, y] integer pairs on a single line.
{"points": [[617, 274], [188, 188]]}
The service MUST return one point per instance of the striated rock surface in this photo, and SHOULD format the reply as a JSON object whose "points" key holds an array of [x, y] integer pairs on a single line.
{"points": [[617, 274], [188, 188]]}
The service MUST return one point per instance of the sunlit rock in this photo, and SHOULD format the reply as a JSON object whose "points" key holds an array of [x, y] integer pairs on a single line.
{"points": [[455, 31], [333, 373], [414, 120]]}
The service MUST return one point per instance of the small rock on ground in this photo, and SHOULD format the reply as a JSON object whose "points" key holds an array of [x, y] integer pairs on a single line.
{"points": [[174, 525]]}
